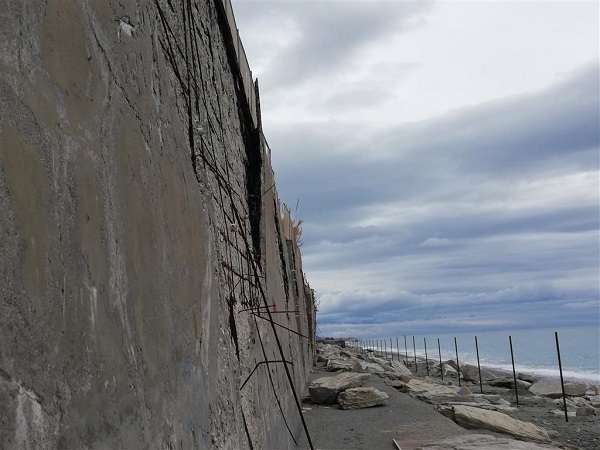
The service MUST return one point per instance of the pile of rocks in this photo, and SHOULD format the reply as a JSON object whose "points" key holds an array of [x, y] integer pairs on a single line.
{"points": [[483, 411], [333, 359], [346, 389], [581, 401], [492, 412], [355, 368]]}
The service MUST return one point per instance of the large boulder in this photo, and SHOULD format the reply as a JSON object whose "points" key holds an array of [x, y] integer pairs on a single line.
{"points": [[483, 441], [361, 397], [416, 386], [347, 364], [381, 361], [436, 394], [398, 368], [527, 377], [472, 417], [326, 351], [370, 367], [325, 390], [548, 387], [449, 371], [471, 373], [508, 410], [443, 398]]}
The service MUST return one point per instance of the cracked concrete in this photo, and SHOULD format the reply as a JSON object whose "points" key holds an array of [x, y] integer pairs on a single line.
{"points": [[125, 265]]}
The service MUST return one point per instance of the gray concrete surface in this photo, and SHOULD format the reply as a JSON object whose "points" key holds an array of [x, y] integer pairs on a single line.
{"points": [[131, 237]]}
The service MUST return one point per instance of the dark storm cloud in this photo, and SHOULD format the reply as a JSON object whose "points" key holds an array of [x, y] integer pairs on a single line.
{"points": [[446, 260], [516, 307], [333, 164]]}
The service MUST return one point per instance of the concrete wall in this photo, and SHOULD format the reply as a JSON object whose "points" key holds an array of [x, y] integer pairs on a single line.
{"points": [[138, 248]]}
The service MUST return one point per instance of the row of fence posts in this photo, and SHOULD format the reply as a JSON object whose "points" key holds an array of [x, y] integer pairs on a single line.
{"points": [[380, 346]]}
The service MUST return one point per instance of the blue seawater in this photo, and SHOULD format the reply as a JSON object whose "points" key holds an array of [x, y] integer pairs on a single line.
{"points": [[534, 350]]}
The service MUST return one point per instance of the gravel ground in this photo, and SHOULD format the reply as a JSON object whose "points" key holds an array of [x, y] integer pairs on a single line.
{"points": [[412, 422]]}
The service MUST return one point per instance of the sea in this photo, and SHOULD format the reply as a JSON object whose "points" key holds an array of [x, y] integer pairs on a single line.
{"points": [[534, 350]]}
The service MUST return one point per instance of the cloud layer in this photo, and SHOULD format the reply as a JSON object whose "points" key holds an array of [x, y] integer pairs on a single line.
{"points": [[473, 215]]}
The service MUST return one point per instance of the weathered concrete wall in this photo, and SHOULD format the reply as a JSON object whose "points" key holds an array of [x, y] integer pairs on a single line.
{"points": [[139, 243]]}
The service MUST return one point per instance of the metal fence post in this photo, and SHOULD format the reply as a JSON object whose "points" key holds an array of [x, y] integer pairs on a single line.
{"points": [[426, 359], [415, 355], [512, 357], [457, 362], [478, 365], [562, 383], [441, 364]]}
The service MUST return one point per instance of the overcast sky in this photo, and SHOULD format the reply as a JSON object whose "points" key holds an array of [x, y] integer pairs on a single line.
{"points": [[445, 156]]}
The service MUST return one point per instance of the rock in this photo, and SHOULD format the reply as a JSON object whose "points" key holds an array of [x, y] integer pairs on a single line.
{"points": [[451, 363], [585, 411], [393, 382], [370, 367], [569, 401], [509, 382], [399, 368], [437, 398], [450, 371], [527, 377], [483, 441], [472, 417], [414, 385], [508, 410], [579, 401], [361, 397], [436, 394], [523, 385], [595, 401], [561, 413], [445, 410], [322, 359], [349, 365], [471, 373], [326, 352], [547, 387], [325, 390], [491, 398], [381, 361], [505, 382]]}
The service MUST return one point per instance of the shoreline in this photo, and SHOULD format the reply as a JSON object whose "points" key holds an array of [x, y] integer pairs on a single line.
{"points": [[539, 372]]}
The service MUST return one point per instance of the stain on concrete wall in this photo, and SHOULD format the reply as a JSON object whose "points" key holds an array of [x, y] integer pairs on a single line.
{"points": [[141, 273]]}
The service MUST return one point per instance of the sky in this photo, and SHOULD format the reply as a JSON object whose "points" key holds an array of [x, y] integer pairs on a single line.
{"points": [[444, 157]]}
